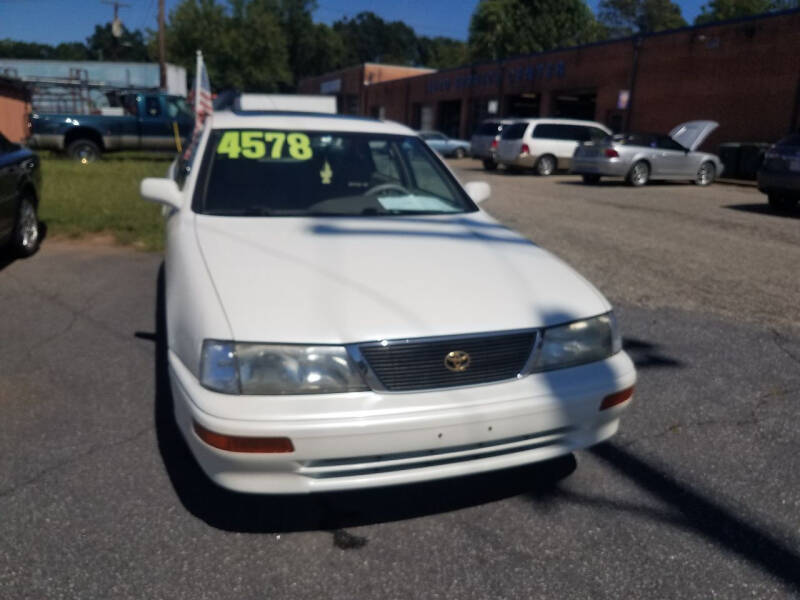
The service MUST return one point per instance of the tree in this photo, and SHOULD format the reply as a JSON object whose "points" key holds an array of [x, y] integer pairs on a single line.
{"points": [[368, 38], [102, 45], [502, 28], [441, 52], [719, 10], [243, 43], [64, 51], [626, 17], [72, 51], [325, 52]]}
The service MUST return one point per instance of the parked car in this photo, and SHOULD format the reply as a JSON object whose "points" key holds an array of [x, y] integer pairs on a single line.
{"points": [[148, 123], [640, 157], [483, 144], [779, 175], [323, 333], [444, 145], [20, 182], [545, 144]]}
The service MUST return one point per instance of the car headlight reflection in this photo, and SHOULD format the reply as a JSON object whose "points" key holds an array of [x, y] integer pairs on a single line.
{"points": [[277, 369], [578, 342]]}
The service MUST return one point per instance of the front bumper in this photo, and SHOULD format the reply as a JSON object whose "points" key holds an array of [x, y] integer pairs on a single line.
{"points": [[361, 440], [785, 182], [609, 167]]}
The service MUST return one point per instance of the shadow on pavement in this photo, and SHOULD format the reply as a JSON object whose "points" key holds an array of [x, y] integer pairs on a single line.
{"points": [[766, 209], [701, 515], [621, 183], [326, 511], [647, 356]]}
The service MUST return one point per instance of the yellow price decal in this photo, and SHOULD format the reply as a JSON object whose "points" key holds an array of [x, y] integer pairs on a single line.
{"points": [[253, 144]]}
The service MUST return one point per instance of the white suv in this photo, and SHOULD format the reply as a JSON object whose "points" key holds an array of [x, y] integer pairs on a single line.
{"points": [[545, 144], [341, 314]]}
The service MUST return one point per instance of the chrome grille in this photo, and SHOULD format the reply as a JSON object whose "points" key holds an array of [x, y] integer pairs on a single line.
{"points": [[419, 364]]}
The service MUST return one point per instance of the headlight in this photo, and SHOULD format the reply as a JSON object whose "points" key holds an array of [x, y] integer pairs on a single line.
{"points": [[578, 343], [277, 369]]}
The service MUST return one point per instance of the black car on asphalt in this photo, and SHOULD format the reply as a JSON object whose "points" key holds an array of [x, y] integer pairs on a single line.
{"points": [[779, 175], [20, 180]]}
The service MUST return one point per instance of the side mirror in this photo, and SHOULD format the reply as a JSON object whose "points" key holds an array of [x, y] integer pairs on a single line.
{"points": [[478, 191], [161, 191]]}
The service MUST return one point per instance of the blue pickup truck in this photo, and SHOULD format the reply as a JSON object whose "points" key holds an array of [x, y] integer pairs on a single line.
{"points": [[146, 121]]}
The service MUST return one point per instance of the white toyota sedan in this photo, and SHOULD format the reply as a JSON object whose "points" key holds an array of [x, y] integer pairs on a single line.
{"points": [[341, 314]]}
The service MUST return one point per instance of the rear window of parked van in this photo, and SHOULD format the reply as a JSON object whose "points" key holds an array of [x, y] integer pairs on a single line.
{"points": [[515, 131]]}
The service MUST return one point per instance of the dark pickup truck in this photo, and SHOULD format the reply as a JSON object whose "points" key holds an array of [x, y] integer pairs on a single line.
{"points": [[147, 121]]}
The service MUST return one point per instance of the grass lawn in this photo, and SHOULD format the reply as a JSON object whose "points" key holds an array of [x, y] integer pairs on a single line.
{"points": [[102, 197]]}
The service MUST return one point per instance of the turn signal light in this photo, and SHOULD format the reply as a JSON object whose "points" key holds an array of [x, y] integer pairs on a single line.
{"points": [[232, 443], [525, 149], [611, 153], [616, 398]]}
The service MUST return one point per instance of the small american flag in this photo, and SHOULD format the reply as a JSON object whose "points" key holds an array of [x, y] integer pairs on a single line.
{"points": [[202, 94]]}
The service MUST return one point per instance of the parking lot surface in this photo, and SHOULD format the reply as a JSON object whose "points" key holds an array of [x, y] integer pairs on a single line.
{"points": [[698, 496]]}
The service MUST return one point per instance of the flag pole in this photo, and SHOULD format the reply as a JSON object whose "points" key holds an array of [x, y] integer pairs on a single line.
{"points": [[198, 68]]}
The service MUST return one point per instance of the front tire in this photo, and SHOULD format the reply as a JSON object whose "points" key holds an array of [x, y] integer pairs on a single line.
{"points": [[706, 174], [639, 174], [84, 151], [27, 235], [489, 164], [459, 153], [591, 178], [545, 165]]}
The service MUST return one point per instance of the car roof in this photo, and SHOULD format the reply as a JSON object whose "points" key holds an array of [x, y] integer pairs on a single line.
{"points": [[557, 121], [304, 122]]}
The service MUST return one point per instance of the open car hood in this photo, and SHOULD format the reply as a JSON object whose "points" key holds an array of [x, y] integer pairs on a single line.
{"points": [[693, 133]]}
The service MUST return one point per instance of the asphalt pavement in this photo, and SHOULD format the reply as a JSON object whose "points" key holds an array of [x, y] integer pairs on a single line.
{"points": [[698, 496]]}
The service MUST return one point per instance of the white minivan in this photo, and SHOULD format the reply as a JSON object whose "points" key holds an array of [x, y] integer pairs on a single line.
{"points": [[545, 144]]}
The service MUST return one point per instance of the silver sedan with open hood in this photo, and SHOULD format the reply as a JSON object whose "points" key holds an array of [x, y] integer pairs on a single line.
{"points": [[640, 157]]}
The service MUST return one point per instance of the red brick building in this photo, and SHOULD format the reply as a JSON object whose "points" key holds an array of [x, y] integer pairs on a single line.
{"points": [[349, 84], [15, 106], [744, 74]]}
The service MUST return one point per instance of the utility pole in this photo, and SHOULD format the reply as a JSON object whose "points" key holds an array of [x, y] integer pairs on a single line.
{"points": [[116, 24], [162, 48]]}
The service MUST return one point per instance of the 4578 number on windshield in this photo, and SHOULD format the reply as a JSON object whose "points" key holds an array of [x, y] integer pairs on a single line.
{"points": [[253, 144]]}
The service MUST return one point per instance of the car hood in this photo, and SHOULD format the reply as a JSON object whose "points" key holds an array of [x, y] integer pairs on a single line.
{"points": [[351, 279], [693, 133]]}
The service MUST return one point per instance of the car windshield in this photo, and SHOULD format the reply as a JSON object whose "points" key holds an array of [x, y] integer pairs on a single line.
{"points": [[307, 173]]}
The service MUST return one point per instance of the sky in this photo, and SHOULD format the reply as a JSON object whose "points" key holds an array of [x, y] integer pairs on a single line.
{"points": [[55, 21]]}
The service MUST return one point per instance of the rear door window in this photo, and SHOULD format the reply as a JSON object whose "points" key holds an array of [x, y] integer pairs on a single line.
{"points": [[515, 131], [556, 131], [597, 134], [488, 128]]}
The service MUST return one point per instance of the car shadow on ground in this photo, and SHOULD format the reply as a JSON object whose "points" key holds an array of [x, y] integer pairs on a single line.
{"points": [[766, 209], [8, 257], [332, 512], [694, 512], [621, 183], [648, 356]]}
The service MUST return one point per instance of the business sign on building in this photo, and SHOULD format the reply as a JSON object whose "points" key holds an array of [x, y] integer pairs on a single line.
{"points": [[542, 71], [332, 86]]}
